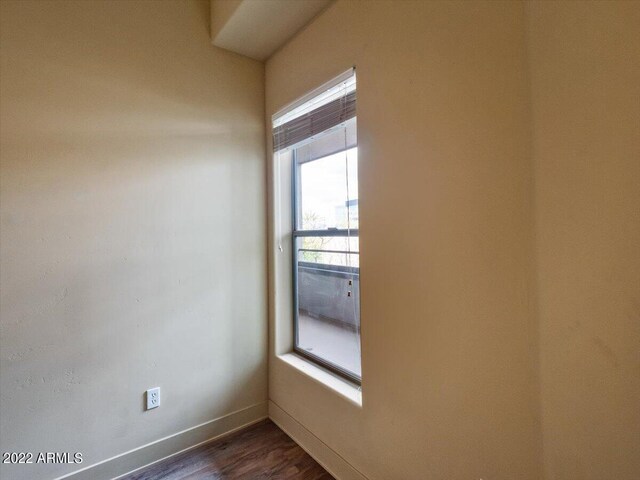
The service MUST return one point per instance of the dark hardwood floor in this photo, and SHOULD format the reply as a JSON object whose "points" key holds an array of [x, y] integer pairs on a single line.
{"points": [[260, 451]]}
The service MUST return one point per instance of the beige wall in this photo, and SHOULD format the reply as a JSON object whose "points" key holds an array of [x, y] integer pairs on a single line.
{"points": [[500, 231], [449, 342], [132, 233], [585, 64], [132, 227]]}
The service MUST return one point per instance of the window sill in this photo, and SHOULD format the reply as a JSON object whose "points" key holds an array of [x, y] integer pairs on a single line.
{"points": [[325, 378]]}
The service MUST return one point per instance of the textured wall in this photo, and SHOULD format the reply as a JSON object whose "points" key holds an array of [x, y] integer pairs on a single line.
{"points": [[585, 65], [133, 255]]}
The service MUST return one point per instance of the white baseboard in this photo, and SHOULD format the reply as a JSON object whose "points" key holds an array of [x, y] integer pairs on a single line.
{"points": [[166, 447], [153, 452], [330, 460]]}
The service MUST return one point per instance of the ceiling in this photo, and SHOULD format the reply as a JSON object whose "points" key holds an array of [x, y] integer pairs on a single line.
{"points": [[257, 28]]}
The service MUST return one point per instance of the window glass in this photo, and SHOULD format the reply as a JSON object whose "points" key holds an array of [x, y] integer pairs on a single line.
{"points": [[328, 299], [327, 265], [329, 192]]}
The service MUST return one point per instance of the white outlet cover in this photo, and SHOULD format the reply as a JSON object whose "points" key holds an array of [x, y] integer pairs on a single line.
{"points": [[153, 398]]}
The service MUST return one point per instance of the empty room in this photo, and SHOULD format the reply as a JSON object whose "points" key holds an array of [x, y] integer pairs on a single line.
{"points": [[320, 239]]}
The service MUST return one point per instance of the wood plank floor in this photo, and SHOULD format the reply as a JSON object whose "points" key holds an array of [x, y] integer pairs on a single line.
{"points": [[258, 452]]}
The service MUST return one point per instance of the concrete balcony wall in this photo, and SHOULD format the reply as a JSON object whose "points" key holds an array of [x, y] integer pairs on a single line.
{"points": [[322, 292]]}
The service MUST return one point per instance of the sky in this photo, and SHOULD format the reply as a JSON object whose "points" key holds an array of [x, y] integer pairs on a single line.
{"points": [[325, 187]]}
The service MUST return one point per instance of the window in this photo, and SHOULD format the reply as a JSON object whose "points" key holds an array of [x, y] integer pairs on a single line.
{"points": [[319, 134]]}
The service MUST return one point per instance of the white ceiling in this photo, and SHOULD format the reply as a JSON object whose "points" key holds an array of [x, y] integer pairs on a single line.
{"points": [[257, 28]]}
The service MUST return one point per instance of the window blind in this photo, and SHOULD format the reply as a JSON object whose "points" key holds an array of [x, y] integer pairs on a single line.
{"points": [[309, 120]]}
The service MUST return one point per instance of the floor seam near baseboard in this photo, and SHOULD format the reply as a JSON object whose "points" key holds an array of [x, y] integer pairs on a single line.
{"points": [[70, 475], [301, 425], [209, 440]]}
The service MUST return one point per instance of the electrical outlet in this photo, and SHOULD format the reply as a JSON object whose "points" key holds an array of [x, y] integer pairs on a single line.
{"points": [[153, 398]]}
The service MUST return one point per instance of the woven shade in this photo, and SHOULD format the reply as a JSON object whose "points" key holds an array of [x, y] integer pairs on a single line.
{"points": [[314, 122]]}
